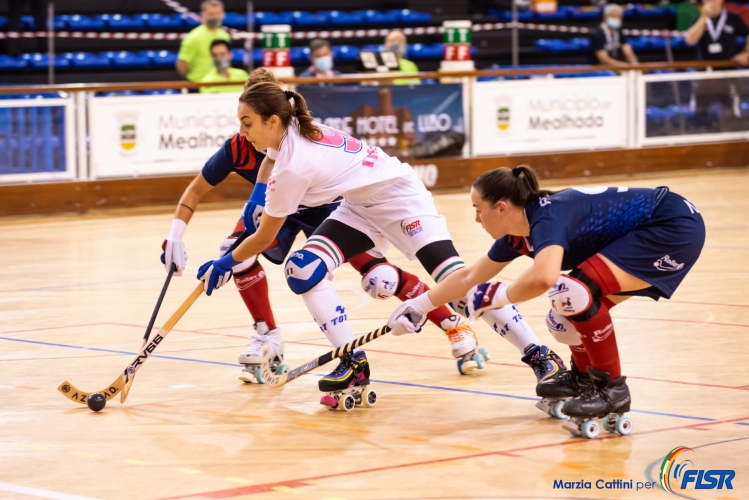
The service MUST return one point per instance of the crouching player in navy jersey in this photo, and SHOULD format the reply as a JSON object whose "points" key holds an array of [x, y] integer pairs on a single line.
{"points": [[614, 243]]}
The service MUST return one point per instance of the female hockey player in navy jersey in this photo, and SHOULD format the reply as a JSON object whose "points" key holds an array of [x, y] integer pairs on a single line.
{"points": [[615, 243], [384, 202]]}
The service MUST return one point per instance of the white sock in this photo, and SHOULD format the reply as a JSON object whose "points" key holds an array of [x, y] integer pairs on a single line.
{"points": [[508, 322], [327, 309]]}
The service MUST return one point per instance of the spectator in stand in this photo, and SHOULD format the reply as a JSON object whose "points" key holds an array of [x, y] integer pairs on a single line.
{"points": [[715, 32], [321, 57], [608, 45], [38, 10], [194, 61], [222, 70], [395, 42]]}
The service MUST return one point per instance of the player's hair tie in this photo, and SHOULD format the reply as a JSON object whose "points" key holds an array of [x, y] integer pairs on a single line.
{"points": [[289, 94], [517, 171]]}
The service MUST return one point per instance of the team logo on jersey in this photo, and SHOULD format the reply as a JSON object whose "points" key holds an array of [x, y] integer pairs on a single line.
{"points": [[128, 131], [502, 109], [666, 263], [412, 228]]}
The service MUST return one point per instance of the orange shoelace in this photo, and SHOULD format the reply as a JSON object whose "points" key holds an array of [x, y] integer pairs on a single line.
{"points": [[457, 333]]}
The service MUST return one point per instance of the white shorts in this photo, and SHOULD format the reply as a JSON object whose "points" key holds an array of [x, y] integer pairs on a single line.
{"points": [[400, 211]]}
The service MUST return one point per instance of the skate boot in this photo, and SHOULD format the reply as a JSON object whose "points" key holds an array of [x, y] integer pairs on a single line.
{"points": [[348, 385], [253, 355], [544, 362], [556, 390], [604, 398], [465, 345]]}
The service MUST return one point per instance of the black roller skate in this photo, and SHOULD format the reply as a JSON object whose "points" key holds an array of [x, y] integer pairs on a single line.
{"points": [[604, 398], [348, 385], [556, 390]]}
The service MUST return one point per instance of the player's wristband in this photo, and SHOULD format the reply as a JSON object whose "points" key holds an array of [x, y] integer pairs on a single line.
{"points": [[227, 261], [258, 194], [422, 304], [178, 229]]}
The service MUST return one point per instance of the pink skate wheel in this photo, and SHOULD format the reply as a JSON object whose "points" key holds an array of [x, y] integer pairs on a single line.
{"points": [[328, 401]]}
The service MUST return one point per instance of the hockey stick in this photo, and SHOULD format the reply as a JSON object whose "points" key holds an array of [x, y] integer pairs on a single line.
{"points": [[272, 379], [72, 393], [172, 270]]}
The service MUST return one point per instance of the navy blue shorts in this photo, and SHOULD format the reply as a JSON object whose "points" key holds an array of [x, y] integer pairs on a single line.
{"points": [[662, 250], [306, 221]]}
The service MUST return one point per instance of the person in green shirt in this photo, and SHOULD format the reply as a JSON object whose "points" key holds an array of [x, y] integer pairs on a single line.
{"points": [[395, 42], [222, 70], [194, 61]]}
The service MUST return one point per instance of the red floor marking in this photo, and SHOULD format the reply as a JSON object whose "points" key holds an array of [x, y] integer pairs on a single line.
{"points": [[261, 488]]}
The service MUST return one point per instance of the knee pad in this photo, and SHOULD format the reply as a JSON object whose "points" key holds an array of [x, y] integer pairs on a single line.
{"points": [[575, 296], [304, 270], [381, 281], [562, 329]]}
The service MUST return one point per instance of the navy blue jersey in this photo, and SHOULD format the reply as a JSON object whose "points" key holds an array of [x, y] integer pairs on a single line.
{"points": [[236, 155], [581, 220]]}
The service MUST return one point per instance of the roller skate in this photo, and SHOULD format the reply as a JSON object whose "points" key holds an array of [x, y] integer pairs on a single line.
{"points": [[252, 356], [348, 385], [556, 390], [465, 345], [544, 362], [604, 398]]}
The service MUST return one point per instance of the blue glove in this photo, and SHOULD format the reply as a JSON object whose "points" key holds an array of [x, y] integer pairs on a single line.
{"points": [[253, 209], [485, 296], [216, 273]]}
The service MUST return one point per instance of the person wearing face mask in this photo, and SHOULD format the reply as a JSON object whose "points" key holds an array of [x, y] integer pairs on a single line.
{"points": [[223, 72], [395, 42], [194, 61], [608, 45], [322, 60]]}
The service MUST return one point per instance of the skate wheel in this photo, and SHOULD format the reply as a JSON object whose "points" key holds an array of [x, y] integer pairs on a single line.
{"points": [[485, 353], [609, 425], [247, 376], [624, 425], [556, 411], [369, 398], [466, 367], [480, 360], [259, 376], [348, 403], [281, 369], [591, 429], [329, 401], [572, 427]]}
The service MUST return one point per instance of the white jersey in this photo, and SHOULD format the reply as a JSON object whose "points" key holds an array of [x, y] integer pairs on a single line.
{"points": [[312, 173]]}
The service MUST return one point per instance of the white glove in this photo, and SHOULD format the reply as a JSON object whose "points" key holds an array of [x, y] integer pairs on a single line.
{"points": [[174, 248], [486, 296], [410, 316]]}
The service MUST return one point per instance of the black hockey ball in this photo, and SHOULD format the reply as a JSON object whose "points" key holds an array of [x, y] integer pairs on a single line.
{"points": [[96, 401]]}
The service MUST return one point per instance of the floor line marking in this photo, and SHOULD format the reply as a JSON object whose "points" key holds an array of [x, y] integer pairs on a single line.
{"points": [[36, 492]]}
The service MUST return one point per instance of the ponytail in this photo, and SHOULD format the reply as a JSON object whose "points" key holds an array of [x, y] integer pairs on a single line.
{"points": [[267, 99], [519, 186]]}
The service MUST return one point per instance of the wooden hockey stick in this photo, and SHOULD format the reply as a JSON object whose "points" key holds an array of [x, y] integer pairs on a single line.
{"points": [[272, 379], [126, 377], [172, 270]]}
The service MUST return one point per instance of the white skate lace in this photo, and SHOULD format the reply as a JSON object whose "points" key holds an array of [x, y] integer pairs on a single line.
{"points": [[257, 342]]}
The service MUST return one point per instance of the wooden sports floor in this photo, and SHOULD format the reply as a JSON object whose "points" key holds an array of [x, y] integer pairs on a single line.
{"points": [[77, 291]]}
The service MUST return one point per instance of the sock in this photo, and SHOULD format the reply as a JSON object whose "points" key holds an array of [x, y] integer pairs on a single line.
{"points": [[581, 358], [327, 309], [510, 325], [253, 287], [361, 260]]}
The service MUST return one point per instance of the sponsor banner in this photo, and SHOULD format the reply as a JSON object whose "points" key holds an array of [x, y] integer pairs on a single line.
{"points": [[421, 121], [156, 135], [527, 116]]}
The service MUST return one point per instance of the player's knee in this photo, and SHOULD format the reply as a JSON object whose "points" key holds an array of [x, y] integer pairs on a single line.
{"points": [[304, 270], [381, 281], [562, 329], [575, 296]]}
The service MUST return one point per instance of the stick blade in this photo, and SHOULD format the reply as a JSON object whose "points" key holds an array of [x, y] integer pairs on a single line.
{"points": [[269, 376], [69, 391]]}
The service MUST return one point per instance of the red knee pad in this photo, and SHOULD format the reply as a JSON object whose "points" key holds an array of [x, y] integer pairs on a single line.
{"points": [[596, 269]]}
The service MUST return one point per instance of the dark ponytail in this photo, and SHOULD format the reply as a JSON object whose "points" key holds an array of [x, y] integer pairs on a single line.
{"points": [[519, 186], [267, 99]]}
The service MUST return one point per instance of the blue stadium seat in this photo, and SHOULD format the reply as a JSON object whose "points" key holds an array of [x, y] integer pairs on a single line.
{"points": [[560, 14], [128, 59], [377, 17], [27, 23], [638, 42], [161, 92], [266, 18], [345, 53], [189, 21], [10, 63], [630, 11], [339, 17], [160, 21], [645, 10], [234, 20], [61, 23], [86, 60], [679, 42], [120, 22], [591, 74], [160, 57], [3, 23], [300, 54], [656, 42], [419, 51], [301, 18], [237, 56], [42, 61], [585, 12], [580, 43], [85, 23], [410, 17], [373, 48], [117, 93]]}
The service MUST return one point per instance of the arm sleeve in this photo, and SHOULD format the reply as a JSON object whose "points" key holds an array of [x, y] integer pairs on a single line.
{"points": [[502, 251], [218, 166], [284, 193], [597, 41], [549, 229], [741, 29], [186, 50]]}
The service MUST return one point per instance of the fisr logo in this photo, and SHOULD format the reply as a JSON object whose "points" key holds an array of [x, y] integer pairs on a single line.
{"points": [[673, 469]]}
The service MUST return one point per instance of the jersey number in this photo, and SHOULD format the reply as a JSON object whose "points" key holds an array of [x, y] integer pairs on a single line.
{"points": [[333, 138]]}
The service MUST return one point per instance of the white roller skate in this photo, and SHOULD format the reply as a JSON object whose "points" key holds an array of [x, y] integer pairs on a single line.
{"points": [[465, 345], [253, 355]]}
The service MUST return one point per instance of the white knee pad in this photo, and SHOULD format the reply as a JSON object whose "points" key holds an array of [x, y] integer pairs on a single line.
{"points": [[225, 246], [381, 282], [569, 297], [562, 329]]}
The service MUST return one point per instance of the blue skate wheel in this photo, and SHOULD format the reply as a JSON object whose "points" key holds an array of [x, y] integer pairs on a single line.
{"points": [[259, 376], [591, 429], [485, 353], [606, 426], [556, 410], [624, 425], [480, 361], [282, 369]]}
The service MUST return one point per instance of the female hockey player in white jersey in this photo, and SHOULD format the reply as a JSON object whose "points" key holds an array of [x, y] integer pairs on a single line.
{"points": [[385, 203]]}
